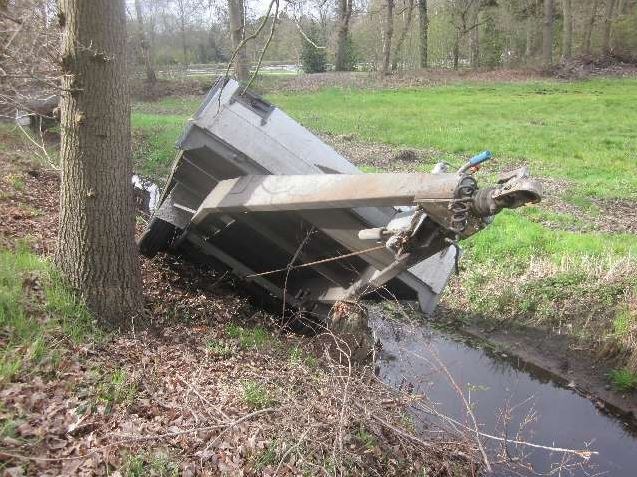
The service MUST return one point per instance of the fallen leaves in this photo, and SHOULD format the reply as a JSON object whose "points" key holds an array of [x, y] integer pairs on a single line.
{"points": [[172, 398]]}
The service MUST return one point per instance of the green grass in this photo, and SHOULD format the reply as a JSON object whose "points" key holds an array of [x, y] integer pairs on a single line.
{"points": [[513, 239], [553, 219], [623, 379], [269, 456], [248, 337], [157, 126], [366, 438], [149, 465], [583, 131], [624, 323], [298, 357], [256, 395], [219, 348], [154, 139], [35, 311], [16, 181], [117, 388]]}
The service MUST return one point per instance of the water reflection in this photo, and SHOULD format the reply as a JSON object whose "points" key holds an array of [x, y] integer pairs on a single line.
{"points": [[506, 397]]}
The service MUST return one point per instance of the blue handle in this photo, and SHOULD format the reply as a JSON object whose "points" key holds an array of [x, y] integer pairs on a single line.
{"points": [[480, 158]]}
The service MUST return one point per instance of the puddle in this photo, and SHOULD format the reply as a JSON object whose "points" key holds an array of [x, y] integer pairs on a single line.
{"points": [[548, 413]]}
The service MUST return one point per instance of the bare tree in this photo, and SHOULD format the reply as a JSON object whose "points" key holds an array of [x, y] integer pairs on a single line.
{"points": [[423, 30], [236, 13], [144, 45], [547, 36], [475, 42], [588, 33], [465, 15], [388, 32], [29, 43], [187, 14], [409, 9], [344, 14], [96, 250], [567, 33], [608, 25]]}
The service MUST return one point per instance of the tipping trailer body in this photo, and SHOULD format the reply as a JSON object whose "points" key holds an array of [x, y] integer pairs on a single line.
{"points": [[254, 193]]}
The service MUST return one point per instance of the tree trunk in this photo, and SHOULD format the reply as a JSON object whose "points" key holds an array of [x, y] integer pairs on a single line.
{"points": [[145, 45], [182, 29], [184, 42], [547, 37], [423, 27], [388, 32], [529, 46], [341, 62], [567, 34], [403, 35], [475, 43], [237, 28], [621, 7], [588, 34], [96, 251], [456, 50], [608, 26]]}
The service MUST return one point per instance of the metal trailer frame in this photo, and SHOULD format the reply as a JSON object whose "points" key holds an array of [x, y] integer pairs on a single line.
{"points": [[253, 192]]}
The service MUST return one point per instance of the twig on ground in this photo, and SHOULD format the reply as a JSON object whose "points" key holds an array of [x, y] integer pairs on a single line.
{"points": [[202, 398]]}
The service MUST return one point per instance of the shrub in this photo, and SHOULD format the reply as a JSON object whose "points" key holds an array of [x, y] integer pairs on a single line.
{"points": [[313, 59]]}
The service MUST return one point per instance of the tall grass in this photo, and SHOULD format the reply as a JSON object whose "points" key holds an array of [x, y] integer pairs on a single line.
{"points": [[36, 309]]}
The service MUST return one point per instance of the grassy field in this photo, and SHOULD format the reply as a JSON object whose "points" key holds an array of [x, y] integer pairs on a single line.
{"points": [[551, 265], [580, 131]]}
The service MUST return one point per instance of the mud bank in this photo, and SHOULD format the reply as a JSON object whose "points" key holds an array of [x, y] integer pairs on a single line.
{"points": [[561, 359]]}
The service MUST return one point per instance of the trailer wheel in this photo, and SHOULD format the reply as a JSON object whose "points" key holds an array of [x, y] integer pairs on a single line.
{"points": [[157, 237]]}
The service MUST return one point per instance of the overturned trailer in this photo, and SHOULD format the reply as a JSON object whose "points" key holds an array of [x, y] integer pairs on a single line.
{"points": [[253, 193]]}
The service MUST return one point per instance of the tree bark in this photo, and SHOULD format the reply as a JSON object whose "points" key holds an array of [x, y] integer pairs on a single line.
{"points": [[567, 34], [144, 45], [96, 251], [403, 35], [423, 31], [529, 46], [621, 7], [608, 26], [388, 32], [182, 29], [341, 62], [456, 50], [588, 34], [547, 37], [475, 43], [237, 29]]}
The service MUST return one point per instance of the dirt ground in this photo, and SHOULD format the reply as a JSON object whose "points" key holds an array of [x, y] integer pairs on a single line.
{"points": [[578, 68], [213, 386], [558, 357]]}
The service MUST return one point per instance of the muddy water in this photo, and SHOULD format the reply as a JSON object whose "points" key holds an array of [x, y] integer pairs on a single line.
{"points": [[548, 413]]}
